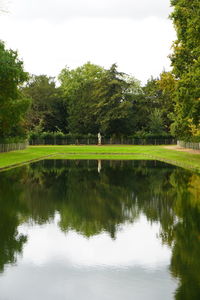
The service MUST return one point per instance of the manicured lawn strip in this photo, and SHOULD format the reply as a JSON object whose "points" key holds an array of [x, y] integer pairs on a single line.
{"points": [[95, 149], [182, 159], [15, 158], [32, 153]]}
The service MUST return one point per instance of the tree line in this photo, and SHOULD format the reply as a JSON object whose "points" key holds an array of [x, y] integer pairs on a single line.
{"points": [[88, 100], [91, 99]]}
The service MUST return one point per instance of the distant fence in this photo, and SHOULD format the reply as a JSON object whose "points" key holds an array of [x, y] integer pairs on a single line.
{"points": [[105, 141], [190, 145], [63, 141], [13, 146]]}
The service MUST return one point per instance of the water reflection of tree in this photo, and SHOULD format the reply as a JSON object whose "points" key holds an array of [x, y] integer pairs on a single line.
{"points": [[11, 212], [87, 202], [91, 202], [185, 262]]}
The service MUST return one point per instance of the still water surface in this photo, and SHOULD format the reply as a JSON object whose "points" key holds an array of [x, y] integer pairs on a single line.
{"points": [[98, 230]]}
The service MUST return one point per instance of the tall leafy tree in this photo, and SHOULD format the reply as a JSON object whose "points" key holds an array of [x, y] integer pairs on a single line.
{"points": [[98, 99], [13, 104], [186, 66], [115, 91], [48, 110], [78, 88], [159, 101]]}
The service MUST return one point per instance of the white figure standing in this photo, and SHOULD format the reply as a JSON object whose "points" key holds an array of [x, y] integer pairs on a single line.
{"points": [[99, 138]]}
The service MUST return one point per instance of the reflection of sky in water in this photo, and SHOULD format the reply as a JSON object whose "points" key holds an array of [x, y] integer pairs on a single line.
{"points": [[69, 266], [134, 245]]}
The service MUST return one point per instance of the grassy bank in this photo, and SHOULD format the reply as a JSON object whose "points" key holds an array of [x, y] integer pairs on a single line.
{"points": [[32, 153]]}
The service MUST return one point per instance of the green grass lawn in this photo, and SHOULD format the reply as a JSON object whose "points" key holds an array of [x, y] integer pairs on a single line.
{"points": [[32, 153]]}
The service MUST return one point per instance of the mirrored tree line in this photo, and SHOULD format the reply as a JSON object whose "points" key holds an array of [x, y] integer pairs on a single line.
{"points": [[105, 201]]}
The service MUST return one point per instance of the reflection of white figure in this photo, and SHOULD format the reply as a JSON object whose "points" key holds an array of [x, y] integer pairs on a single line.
{"points": [[99, 138], [99, 166]]}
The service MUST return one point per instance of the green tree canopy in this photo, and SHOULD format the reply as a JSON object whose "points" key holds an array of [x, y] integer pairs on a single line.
{"points": [[78, 87], [48, 110], [159, 102], [186, 66], [115, 93], [13, 104], [98, 99]]}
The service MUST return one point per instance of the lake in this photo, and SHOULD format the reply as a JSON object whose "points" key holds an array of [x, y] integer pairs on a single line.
{"points": [[99, 230]]}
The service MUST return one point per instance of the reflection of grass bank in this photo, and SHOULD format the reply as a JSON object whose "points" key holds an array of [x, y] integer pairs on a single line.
{"points": [[184, 159]]}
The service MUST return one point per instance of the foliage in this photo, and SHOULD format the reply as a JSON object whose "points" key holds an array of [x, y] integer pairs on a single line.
{"points": [[92, 99], [13, 104], [59, 134], [156, 122], [78, 89], [159, 101], [10, 140], [113, 111], [48, 110], [186, 66], [98, 99]]}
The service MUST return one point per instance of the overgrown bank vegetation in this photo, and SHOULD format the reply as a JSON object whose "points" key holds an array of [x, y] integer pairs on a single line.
{"points": [[92, 99]]}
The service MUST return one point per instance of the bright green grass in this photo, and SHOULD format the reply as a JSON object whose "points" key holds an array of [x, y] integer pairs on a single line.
{"points": [[32, 153]]}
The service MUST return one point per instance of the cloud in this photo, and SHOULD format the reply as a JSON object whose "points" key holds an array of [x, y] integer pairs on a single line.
{"points": [[52, 34], [59, 10], [139, 47]]}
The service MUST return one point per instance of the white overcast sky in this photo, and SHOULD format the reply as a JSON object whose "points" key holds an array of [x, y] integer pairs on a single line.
{"points": [[52, 34]]}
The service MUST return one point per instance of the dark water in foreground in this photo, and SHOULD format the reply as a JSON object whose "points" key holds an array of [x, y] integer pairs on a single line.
{"points": [[99, 230]]}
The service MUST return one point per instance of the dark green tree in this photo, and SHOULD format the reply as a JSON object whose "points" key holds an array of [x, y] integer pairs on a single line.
{"points": [[98, 99], [115, 92], [78, 87], [13, 104], [159, 102], [48, 110]]}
